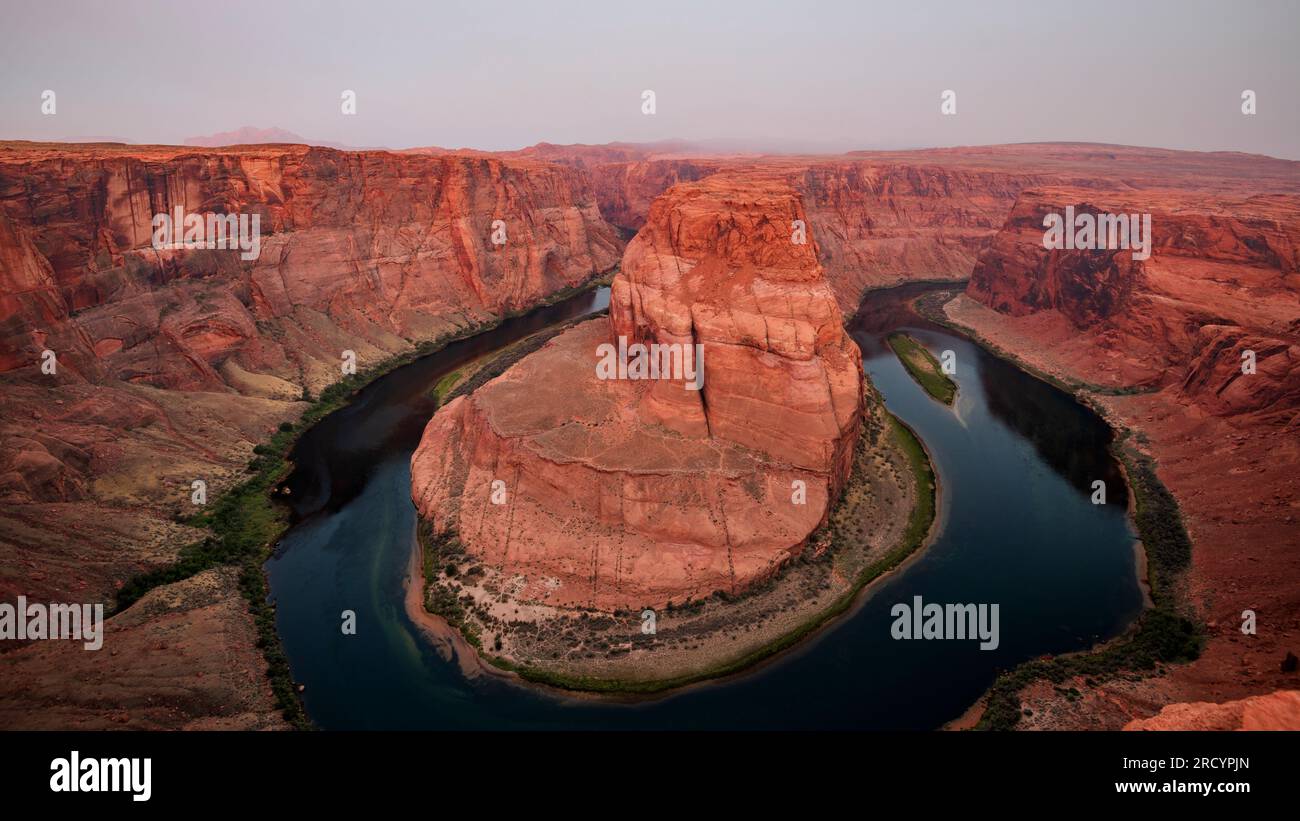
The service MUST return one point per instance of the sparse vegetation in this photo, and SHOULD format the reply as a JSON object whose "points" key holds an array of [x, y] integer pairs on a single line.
{"points": [[930, 307], [244, 522], [445, 385], [834, 544], [923, 367], [1164, 634]]}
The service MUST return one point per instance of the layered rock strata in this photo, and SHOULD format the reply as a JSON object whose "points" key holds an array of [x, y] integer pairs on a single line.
{"points": [[622, 493], [1194, 349]]}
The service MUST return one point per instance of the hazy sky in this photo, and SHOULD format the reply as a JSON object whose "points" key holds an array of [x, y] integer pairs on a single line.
{"points": [[796, 74]]}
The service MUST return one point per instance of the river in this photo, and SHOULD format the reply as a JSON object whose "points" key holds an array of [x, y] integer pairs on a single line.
{"points": [[1016, 459]]}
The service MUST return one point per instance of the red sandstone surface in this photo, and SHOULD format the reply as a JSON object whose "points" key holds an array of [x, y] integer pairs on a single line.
{"points": [[628, 177], [886, 217], [174, 363], [628, 493], [367, 252], [1275, 711], [1222, 281], [185, 656], [380, 246]]}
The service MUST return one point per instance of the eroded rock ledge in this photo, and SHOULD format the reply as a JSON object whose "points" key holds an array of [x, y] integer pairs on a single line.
{"points": [[630, 493]]}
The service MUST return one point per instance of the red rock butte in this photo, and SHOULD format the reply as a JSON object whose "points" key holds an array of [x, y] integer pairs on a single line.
{"points": [[623, 493]]}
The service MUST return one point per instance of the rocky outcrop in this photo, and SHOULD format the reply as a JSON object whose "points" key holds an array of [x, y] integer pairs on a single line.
{"points": [[622, 493], [1275, 711], [881, 224], [1234, 372], [626, 190], [1195, 238], [185, 656], [884, 218]]}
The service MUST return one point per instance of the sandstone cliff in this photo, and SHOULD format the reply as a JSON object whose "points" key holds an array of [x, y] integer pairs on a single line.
{"points": [[884, 224], [381, 247], [629, 493], [883, 218], [172, 364], [1229, 263], [627, 177], [1164, 340]]}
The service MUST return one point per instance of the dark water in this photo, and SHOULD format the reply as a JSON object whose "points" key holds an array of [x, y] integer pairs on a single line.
{"points": [[1016, 460]]}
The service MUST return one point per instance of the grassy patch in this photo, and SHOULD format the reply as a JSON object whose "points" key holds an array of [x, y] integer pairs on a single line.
{"points": [[243, 523], [444, 387], [437, 553], [923, 367], [918, 524]]}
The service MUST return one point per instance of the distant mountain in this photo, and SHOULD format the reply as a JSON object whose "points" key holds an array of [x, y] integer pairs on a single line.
{"points": [[249, 135]]}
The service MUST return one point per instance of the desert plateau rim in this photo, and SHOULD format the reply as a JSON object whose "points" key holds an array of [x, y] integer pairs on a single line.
{"points": [[930, 371]]}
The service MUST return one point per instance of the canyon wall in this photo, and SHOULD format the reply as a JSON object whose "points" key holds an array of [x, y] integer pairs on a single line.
{"points": [[1195, 350], [1219, 269], [623, 493], [172, 364], [385, 248], [627, 177], [884, 224], [884, 218]]}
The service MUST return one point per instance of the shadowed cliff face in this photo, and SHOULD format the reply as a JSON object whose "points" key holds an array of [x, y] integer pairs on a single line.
{"points": [[374, 246], [884, 224], [626, 493], [1217, 382], [626, 190], [884, 218], [1227, 264]]}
